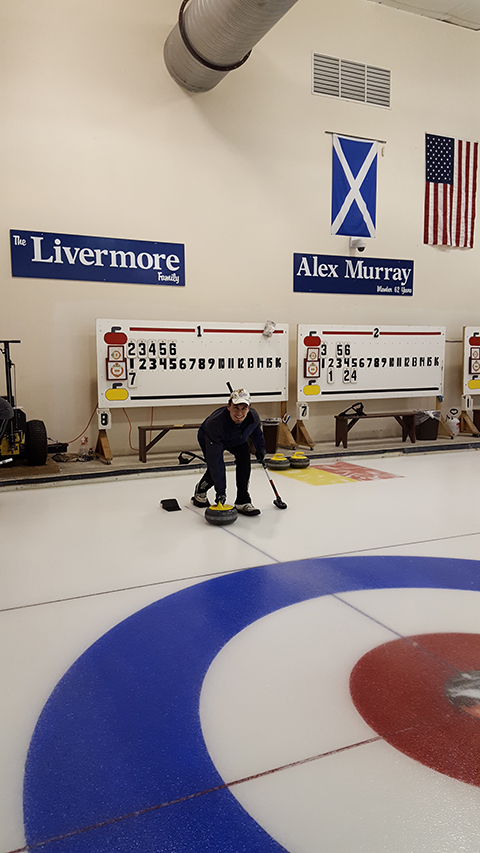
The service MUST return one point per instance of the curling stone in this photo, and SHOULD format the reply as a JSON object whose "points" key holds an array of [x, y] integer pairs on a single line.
{"points": [[278, 462], [299, 460], [221, 514]]}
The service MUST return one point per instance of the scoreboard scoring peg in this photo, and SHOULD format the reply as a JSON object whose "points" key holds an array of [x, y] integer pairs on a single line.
{"points": [[104, 418]]}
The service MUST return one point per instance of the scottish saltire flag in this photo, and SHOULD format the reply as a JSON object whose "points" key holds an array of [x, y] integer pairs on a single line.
{"points": [[354, 187], [450, 191]]}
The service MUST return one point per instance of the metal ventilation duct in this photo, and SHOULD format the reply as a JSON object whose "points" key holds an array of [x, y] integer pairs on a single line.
{"points": [[212, 37]]}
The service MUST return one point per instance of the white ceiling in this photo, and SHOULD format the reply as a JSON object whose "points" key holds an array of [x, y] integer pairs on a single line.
{"points": [[463, 14]]}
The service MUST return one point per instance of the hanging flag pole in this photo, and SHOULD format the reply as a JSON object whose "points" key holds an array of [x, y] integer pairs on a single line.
{"points": [[364, 138]]}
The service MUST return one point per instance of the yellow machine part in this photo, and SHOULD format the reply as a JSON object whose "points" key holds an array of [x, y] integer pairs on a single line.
{"points": [[9, 447]]}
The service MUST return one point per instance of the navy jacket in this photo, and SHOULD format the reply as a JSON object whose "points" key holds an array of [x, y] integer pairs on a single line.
{"points": [[218, 433]]}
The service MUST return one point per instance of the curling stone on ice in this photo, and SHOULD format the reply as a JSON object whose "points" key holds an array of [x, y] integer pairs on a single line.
{"points": [[221, 514], [278, 462], [299, 460]]}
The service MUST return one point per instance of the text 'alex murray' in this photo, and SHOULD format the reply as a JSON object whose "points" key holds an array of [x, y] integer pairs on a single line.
{"points": [[357, 269]]}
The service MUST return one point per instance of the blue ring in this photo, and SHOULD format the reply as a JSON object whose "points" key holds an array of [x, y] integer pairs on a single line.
{"points": [[121, 732]]}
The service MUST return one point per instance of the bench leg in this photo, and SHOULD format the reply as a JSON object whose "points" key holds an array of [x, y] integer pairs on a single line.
{"points": [[142, 445], [410, 423], [407, 422], [341, 432]]}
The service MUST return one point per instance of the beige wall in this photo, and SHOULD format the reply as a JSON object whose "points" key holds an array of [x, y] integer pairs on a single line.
{"points": [[97, 139]]}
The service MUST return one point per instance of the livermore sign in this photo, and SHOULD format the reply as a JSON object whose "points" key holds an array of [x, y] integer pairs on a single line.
{"points": [[39, 254], [337, 274]]}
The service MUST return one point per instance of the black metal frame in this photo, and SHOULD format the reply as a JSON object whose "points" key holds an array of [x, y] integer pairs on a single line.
{"points": [[9, 425]]}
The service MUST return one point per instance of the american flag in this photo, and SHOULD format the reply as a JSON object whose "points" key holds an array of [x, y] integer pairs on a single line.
{"points": [[451, 187]]}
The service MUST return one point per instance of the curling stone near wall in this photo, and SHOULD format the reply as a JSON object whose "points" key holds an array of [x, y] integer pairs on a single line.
{"points": [[299, 460], [278, 462]]}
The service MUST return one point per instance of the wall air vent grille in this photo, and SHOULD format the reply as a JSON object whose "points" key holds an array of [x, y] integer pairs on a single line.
{"points": [[326, 75], [352, 81], [378, 86]]}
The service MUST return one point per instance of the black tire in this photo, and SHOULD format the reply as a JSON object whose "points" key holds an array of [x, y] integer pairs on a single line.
{"points": [[36, 443]]}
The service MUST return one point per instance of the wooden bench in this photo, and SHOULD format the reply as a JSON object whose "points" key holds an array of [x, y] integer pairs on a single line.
{"points": [[143, 447], [344, 423]]}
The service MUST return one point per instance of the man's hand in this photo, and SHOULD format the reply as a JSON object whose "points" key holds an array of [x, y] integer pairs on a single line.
{"points": [[221, 499]]}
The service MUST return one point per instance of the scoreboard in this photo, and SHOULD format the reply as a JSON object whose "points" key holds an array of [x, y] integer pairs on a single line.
{"points": [[471, 360], [170, 363], [369, 362]]}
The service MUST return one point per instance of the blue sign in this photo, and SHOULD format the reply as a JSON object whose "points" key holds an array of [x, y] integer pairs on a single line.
{"points": [[337, 274], [39, 254]]}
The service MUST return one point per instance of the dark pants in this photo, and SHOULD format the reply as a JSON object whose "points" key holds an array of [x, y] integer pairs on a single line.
{"points": [[243, 467]]}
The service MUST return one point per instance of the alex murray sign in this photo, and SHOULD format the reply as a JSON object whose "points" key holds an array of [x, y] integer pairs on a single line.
{"points": [[172, 363], [337, 274], [39, 254]]}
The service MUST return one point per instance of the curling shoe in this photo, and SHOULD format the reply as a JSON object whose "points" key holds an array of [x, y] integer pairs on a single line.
{"points": [[200, 498], [247, 509]]}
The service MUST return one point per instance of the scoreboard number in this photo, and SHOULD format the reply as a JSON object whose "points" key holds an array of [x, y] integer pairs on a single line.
{"points": [[104, 418]]}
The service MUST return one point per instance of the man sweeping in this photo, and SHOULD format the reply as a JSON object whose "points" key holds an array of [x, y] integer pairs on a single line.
{"points": [[228, 428]]}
